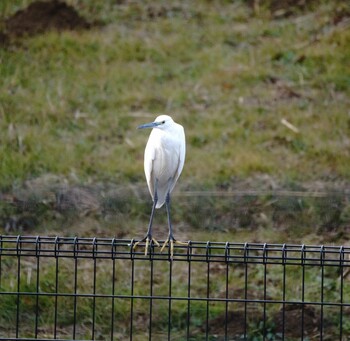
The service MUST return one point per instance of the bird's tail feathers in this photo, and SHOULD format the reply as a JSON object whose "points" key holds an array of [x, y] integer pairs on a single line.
{"points": [[160, 204], [161, 200]]}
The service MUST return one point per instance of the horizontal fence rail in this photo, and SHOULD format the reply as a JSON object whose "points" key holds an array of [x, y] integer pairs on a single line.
{"points": [[64, 288]]}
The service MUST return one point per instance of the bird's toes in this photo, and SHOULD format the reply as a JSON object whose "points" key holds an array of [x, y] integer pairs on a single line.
{"points": [[180, 243], [164, 245], [170, 242], [171, 249], [146, 246], [155, 241], [148, 241], [135, 245]]}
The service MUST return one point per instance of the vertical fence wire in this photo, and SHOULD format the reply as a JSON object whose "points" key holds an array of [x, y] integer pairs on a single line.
{"points": [[208, 291], [227, 255], [188, 316], [113, 290], [169, 302], [302, 291], [265, 288], [151, 301], [56, 255], [75, 297], [18, 303], [246, 254], [94, 251], [284, 256], [37, 251], [322, 290], [341, 272], [132, 290]]}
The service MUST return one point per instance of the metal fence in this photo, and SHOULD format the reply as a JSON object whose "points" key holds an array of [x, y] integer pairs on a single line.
{"points": [[102, 289]]}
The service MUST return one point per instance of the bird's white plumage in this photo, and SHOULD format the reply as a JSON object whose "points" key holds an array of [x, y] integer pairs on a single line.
{"points": [[164, 157]]}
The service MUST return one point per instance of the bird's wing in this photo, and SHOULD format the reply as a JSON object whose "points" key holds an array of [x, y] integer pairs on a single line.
{"points": [[181, 160], [148, 166]]}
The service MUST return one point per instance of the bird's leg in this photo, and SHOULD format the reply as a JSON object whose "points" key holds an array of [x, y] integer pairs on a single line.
{"points": [[148, 238], [170, 240]]}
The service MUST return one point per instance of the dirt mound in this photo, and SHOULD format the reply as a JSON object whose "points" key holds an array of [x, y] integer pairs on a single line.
{"points": [[293, 317], [42, 16], [3, 39], [292, 323], [282, 8], [235, 324]]}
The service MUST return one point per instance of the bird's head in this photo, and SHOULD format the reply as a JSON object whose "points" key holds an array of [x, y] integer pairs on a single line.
{"points": [[161, 122]]}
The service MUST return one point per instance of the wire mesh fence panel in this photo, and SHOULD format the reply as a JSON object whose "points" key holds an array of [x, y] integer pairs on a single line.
{"points": [[66, 288]]}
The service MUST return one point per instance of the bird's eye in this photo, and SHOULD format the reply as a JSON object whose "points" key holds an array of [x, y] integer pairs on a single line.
{"points": [[163, 122]]}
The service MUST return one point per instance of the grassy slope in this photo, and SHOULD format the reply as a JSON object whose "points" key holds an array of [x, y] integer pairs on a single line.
{"points": [[70, 102]]}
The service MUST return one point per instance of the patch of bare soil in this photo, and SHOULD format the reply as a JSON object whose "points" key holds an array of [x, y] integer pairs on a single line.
{"points": [[282, 8], [42, 16], [293, 322], [3, 39], [293, 318], [288, 8], [235, 324]]}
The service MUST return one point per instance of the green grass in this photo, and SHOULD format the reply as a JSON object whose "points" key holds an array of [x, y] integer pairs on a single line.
{"points": [[70, 103]]}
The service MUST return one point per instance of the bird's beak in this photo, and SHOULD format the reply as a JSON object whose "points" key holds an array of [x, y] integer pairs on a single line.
{"points": [[149, 125]]}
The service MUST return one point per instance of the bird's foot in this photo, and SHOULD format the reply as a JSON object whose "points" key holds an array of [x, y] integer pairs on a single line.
{"points": [[171, 241], [149, 240]]}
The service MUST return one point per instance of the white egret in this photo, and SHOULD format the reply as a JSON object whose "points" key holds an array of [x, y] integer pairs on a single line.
{"points": [[163, 163]]}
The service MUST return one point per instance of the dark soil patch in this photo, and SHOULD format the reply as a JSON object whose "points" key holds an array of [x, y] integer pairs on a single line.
{"points": [[235, 324], [42, 16], [292, 323], [4, 40], [293, 317], [282, 8], [342, 13]]}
